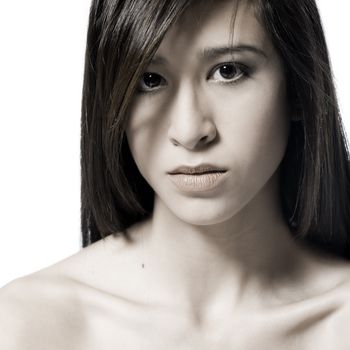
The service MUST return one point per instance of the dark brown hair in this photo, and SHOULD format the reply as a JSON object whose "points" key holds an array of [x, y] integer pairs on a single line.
{"points": [[123, 36]]}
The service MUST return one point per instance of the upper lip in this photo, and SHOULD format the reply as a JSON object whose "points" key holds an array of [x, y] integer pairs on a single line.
{"points": [[199, 169]]}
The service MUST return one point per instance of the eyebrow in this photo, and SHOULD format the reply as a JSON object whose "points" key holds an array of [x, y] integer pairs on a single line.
{"points": [[210, 53], [214, 52]]}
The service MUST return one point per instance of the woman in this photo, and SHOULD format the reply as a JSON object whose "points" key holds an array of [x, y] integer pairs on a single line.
{"points": [[215, 187]]}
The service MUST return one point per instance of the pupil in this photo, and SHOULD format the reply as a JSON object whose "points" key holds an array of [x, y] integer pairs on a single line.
{"points": [[228, 71], [151, 80]]}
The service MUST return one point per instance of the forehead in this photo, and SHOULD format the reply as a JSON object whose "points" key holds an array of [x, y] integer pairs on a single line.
{"points": [[212, 23]]}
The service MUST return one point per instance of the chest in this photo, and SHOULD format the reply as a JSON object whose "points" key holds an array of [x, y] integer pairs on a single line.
{"points": [[157, 330]]}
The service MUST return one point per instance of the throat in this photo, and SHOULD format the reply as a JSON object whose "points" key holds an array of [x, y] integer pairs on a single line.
{"points": [[200, 274]]}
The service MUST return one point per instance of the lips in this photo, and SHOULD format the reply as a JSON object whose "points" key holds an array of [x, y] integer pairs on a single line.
{"points": [[203, 178], [197, 170]]}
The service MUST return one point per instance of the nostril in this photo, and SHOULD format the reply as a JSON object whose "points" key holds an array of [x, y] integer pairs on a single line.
{"points": [[174, 142]]}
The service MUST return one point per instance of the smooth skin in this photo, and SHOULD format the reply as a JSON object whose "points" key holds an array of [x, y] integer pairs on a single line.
{"points": [[211, 270]]}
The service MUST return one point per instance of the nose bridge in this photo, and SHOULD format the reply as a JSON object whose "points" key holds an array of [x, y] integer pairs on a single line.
{"points": [[189, 102], [191, 120]]}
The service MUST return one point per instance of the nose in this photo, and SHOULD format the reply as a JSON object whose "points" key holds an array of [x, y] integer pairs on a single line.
{"points": [[192, 125]]}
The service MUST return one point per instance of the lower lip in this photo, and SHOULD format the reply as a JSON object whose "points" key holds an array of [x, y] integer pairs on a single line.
{"points": [[198, 182]]}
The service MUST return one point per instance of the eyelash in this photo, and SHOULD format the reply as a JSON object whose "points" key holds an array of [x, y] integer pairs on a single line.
{"points": [[244, 72]]}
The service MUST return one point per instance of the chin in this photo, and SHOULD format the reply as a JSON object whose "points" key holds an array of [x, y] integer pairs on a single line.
{"points": [[204, 214], [204, 219]]}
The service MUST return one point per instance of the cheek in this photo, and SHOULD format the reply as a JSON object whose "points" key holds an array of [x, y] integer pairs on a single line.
{"points": [[256, 129], [145, 137], [270, 116]]}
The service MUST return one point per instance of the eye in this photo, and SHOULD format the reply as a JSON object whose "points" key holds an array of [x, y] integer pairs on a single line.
{"points": [[228, 72], [150, 82]]}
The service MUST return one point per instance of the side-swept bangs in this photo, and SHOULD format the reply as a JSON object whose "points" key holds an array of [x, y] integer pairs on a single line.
{"points": [[122, 38]]}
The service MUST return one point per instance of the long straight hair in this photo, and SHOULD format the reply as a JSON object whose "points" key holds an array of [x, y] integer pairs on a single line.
{"points": [[123, 36]]}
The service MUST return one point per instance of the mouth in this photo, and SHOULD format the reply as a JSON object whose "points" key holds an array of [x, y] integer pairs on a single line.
{"points": [[201, 178]]}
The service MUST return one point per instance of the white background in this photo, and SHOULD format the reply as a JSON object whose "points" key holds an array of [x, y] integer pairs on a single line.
{"points": [[42, 45]]}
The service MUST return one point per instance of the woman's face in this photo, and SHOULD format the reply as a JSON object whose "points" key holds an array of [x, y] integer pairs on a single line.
{"points": [[207, 99]]}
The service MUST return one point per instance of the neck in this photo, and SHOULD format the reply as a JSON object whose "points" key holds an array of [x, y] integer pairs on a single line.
{"points": [[202, 265]]}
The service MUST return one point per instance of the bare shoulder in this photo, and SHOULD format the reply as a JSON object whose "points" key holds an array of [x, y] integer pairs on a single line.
{"points": [[40, 311], [52, 308], [44, 309], [342, 318], [338, 324]]}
